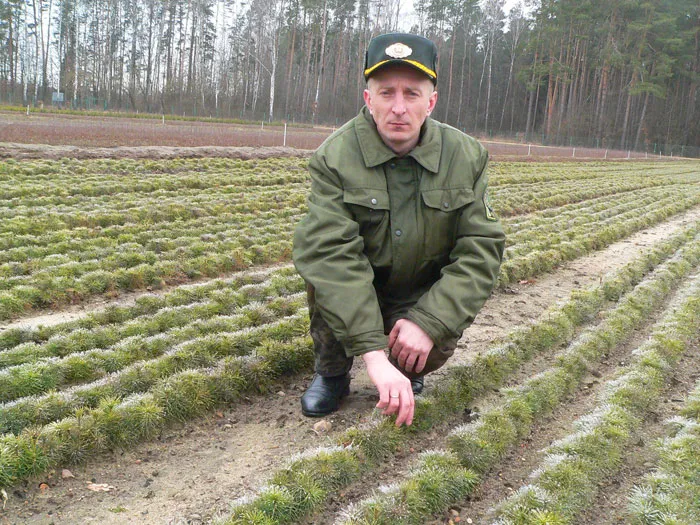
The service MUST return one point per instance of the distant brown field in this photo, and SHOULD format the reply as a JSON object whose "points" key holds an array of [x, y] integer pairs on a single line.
{"points": [[110, 132]]}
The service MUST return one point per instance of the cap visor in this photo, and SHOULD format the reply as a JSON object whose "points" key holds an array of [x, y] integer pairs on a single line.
{"points": [[414, 64]]}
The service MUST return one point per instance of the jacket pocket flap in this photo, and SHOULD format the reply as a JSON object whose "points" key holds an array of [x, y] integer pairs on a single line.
{"points": [[448, 199], [367, 197]]}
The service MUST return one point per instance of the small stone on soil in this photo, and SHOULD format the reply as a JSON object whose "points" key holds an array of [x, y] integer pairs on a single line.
{"points": [[322, 426]]}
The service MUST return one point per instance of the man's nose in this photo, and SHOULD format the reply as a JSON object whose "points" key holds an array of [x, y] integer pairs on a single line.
{"points": [[399, 106]]}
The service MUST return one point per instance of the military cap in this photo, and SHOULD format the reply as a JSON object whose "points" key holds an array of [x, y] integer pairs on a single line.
{"points": [[402, 48]]}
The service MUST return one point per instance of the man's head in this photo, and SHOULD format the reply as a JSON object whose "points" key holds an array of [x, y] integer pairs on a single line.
{"points": [[401, 73], [401, 48]]}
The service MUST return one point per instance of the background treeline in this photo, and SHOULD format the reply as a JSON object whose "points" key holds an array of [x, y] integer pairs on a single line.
{"points": [[614, 73]]}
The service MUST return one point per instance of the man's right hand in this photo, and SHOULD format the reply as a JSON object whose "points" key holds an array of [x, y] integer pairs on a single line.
{"points": [[395, 394]]}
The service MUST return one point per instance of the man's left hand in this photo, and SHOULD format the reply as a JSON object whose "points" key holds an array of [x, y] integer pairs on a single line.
{"points": [[409, 345]]}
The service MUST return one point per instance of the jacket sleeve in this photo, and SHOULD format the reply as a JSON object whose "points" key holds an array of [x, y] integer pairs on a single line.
{"points": [[328, 254], [452, 303]]}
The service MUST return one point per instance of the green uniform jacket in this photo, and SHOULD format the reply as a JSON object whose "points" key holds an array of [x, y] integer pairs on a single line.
{"points": [[382, 230]]}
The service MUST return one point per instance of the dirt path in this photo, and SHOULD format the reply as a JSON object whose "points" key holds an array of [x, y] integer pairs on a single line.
{"points": [[196, 470]]}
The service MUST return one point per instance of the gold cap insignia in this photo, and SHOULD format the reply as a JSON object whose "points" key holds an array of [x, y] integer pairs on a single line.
{"points": [[398, 50]]}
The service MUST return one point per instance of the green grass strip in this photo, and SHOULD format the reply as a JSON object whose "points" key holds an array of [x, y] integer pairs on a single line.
{"points": [[567, 481], [143, 374], [365, 446], [599, 208], [148, 305], [478, 446], [583, 240], [594, 210], [57, 290], [671, 494], [222, 302], [547, 195], [176, 398], [481, 444], [198, 340]]}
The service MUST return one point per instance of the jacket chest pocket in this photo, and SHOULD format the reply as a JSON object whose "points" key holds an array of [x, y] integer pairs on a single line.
{"points": [[370, 209], [441, 212]]}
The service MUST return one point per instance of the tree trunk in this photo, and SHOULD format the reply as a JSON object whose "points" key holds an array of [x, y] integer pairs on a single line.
{"points": [[290, 67], [488, 88], [449, 77], [640, 127], [321, 62], [531, 96]]}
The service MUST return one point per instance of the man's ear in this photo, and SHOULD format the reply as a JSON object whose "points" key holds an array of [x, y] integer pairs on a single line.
{"points": [[368, 100], [432, 101]]}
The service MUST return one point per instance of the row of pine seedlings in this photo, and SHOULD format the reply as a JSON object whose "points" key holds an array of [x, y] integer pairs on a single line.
{"points": [[444, 477], [172, 369], [216, 216], [568, 478], [119, 376], [50, 253], [671, 493]]}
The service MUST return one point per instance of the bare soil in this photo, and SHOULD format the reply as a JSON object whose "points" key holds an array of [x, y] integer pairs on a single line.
{"points": [[55, 136], [113, 132], [193, 471]]}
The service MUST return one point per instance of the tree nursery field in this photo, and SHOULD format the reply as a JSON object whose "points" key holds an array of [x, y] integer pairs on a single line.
{"points": [[154, 345]]}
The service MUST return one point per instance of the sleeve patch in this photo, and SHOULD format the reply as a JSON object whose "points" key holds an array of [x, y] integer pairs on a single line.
{"points": [[490, 214]]}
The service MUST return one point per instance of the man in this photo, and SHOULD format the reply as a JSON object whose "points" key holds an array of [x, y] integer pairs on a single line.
{"points": [[400, 247]]}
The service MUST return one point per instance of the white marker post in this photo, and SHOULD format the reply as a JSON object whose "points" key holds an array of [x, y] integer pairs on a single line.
{"points": [[573, 153], [284, 143], [529, 148]]}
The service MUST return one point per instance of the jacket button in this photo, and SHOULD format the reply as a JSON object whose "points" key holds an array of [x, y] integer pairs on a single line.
{"points": [[392, 165], [398, 233], [374, 201], [445, 204]]}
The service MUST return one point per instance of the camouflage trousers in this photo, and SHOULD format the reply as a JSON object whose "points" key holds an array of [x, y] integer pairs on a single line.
{"points": [[330, 359]]}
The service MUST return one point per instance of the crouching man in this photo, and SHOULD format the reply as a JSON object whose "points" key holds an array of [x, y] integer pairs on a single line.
{"points": [[400, 247]]}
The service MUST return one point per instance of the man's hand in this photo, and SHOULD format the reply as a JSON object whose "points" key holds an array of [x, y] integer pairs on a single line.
{"points": [[409, 345], [395, 394]]}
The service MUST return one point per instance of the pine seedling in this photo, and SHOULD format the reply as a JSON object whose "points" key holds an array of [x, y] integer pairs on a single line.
{"points": [[273, 504], [436, 483], [522, 507], [184, 395], [287, 357], [377, 441], [228, 381]]}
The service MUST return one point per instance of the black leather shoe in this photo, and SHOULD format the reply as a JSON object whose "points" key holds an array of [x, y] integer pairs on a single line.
{"points": [[324, 394], [417, 385]]}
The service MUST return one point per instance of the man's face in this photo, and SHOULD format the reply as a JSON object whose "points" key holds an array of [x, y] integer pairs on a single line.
{"points": [[400, 98]]}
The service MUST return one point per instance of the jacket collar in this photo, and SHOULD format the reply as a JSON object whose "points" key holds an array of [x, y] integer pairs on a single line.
{"points": [[375, 152]]}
